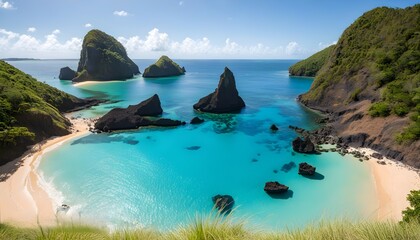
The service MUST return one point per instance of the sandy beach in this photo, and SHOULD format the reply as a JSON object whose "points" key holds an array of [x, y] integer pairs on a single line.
{"points": [[393, 181], [25, 203], [22, 200]]}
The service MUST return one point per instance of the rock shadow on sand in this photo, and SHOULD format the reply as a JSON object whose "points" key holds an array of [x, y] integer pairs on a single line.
{"points": [[286, 195], [316, 176]]}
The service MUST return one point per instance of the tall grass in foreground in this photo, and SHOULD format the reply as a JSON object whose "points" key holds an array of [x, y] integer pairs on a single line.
{"points": [[209, 228]]}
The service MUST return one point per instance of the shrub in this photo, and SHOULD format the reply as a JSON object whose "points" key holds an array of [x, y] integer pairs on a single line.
{"points": [[379, 109]]}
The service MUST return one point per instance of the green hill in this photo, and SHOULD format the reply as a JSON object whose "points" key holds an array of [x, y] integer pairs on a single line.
{"points": [[163, 67], [310, 66], [29, 111], [376, 66]]}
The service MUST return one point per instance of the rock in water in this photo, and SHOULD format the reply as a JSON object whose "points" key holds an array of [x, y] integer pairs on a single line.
{"points": [[274, 128], [196, 120], [306, 169], [67, 73], [275, 188], [225, 99], [149, 107], [223, 203], [164, 67], [135, 116], [303, 146], [104, 58]]}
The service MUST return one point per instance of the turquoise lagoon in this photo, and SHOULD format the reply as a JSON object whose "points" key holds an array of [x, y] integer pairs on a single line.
{"points": [[163, 178]]}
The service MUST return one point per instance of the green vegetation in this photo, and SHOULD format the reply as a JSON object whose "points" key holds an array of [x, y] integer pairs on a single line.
{"points": [[29, 111], [164, 67], [380, 55], [98, 39], [412, 213], [310, 66], [219, 228]]}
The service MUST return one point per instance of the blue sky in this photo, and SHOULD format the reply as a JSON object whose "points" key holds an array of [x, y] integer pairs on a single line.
{"points": [[181, 29]]}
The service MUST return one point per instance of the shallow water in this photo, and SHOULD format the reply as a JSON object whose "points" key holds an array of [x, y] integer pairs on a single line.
{"points": [[163, 177]]}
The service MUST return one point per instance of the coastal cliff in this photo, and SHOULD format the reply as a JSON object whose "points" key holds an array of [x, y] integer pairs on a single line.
{"points": [[309, 67], [370, 84], [30, 111], [164, 67], [104, 58]]}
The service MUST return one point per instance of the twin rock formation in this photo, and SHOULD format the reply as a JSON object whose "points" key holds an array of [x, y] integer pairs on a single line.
{"points": [[103, 58]]}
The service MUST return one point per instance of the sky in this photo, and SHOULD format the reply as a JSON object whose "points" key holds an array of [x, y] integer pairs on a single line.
{"points": [[182, 29]]}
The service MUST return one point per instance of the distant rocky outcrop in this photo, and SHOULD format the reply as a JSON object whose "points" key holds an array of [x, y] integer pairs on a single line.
{"points": [[196, 120], [309, 67], [164, 67], [274, 128], [223, 203], [306, 169], [143, 114], [275, 188], [225, 99], [67, 73], [303, 146], [104, 58]]}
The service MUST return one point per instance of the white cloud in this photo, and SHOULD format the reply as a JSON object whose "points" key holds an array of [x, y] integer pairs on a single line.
{"points": [[5, 5], [88, 25], [322, 45], [121, 13], [56, 31], [31, 29], [192, 47], [155, 41], [181, 3], [293, 48]]}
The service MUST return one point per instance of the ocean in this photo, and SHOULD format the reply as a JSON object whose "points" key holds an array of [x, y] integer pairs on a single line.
{"points": [[164, 177]]}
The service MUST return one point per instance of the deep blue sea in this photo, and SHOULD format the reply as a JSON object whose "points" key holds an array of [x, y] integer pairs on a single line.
{"points": [[163, 178]]}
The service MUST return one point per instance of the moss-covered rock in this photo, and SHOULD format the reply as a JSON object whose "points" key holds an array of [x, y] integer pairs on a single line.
{"points": [[164, 67], [104, 58], [310, 66], [30, 111]]}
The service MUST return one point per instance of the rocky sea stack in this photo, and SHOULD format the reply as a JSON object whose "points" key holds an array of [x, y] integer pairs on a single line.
{"points": [[104, 58], [164, 67], [225, 99], [67, 73], [303, 146], [275, 188], [143, 114], [223, 203], [306, 169]]}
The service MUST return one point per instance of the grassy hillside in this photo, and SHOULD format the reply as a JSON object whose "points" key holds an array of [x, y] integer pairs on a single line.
{"points": [[29, 111], [377, 58], [213, 229], [310, 66]]}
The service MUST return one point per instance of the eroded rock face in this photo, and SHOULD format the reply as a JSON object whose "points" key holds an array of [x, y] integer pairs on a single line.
{"points": [[143, 114], [67, 73], [164, 67], [223, 203], [225, 99], [303, 146], [275, 188], [306, 169], [104, 58]]}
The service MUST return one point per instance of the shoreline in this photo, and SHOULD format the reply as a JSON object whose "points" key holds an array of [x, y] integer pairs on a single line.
{"points": [[23, 201]]}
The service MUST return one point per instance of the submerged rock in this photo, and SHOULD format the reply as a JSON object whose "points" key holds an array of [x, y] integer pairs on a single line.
{"points": [[196, 120], [223, 203], [164, 67], [104, 58], [275, 188], [303, 146], [135, 116], [67, 73], [306, 169], [225, 99]]}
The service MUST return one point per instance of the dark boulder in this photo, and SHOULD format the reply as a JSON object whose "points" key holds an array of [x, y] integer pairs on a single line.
{"points": [[275, 188], [196, 120], [67, 73], [303, 146], [223, 203], [104, 58], [306, 169], [377, 155], [164, 67], [274, 128], [135, 116], [225, 99]]}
